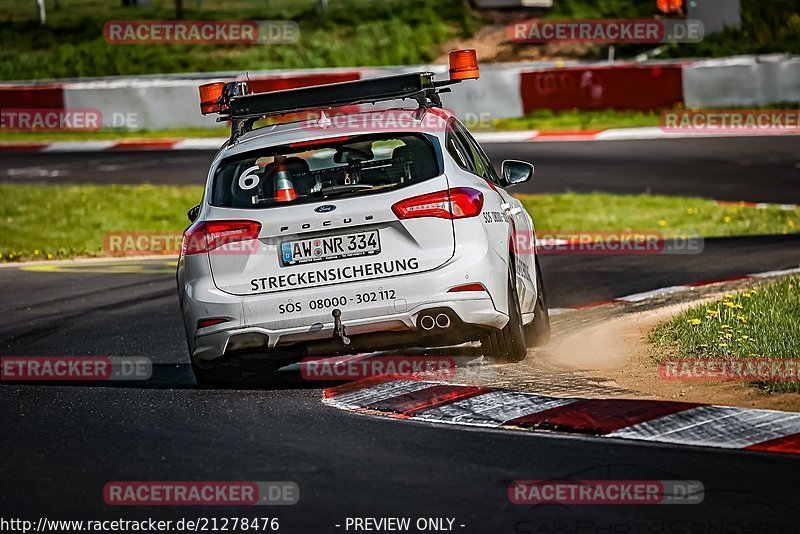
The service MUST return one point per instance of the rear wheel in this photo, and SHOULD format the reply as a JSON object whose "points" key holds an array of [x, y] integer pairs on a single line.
{"points": [[537, 333], [507, 345]]}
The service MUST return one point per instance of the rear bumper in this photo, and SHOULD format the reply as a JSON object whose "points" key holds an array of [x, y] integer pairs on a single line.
{"points": [[392, 306]]}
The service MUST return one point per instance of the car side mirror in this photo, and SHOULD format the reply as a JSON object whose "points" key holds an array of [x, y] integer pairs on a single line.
{"points": [[193, 213], [516, 172]]}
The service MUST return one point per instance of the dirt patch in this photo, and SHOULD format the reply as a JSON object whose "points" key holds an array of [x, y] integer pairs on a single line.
{"points": [[619, 352], [604, 352], [493, 46]]}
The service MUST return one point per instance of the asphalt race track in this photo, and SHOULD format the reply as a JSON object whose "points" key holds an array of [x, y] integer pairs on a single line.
{"points": [[756, 169], [63, 443]]}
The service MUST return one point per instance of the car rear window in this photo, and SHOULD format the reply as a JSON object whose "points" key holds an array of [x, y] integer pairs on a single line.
{"points": [[314, 170]]}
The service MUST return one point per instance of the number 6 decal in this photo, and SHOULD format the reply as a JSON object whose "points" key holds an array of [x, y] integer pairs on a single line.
{"points": [[247, 180]]}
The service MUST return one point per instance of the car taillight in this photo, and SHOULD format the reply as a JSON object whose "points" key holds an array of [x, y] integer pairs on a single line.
{"points": [[211, 321], [455, 203], [209, 235], [467, 287]]}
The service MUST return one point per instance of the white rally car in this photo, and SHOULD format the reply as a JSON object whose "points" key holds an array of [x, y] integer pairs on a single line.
{"points": [[358, 232]]}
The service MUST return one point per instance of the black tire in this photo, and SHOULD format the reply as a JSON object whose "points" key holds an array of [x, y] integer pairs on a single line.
{"points": [[507, 345], [537, 333]]}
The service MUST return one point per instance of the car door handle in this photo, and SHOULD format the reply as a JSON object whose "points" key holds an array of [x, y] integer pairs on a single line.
{"points": [[505, 206], [515, 211]]}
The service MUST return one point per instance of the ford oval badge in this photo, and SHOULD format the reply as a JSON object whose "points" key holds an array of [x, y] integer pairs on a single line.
{"points": [[325, 208]]}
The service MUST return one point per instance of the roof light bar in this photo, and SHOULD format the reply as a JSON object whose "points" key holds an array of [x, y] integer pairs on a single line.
{"points": [[331, 95], [232, 101]]}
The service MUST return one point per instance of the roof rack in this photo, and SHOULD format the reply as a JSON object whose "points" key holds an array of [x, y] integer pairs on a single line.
{"points": [[232, 101]]}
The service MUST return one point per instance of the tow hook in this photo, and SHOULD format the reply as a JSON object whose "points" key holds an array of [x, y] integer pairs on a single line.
{"points": [[338, 327]]}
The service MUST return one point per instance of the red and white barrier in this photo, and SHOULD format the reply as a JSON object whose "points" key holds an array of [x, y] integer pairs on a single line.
{"points": [[503, 91]]}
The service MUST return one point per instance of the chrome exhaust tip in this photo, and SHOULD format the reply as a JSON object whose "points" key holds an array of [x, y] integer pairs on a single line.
{"points": [[427, 322], [443, 320]]}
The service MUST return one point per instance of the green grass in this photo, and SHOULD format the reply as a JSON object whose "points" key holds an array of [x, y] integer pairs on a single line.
{"points": [[673, 216], [52, 222], [767, 27], [598, 9], [352, 33], [758, 323], [579, 120]]}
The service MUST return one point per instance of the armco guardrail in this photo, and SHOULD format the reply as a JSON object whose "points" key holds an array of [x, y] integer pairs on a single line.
{"points": [[504, 90], [742, 81]]}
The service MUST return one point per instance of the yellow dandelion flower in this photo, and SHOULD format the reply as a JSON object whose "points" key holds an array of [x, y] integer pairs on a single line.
{"points": [[729, 304], [694, 322], [728, 336], [662, 223], [723, 345], [725, 326], [727, 219], [790, 223]]}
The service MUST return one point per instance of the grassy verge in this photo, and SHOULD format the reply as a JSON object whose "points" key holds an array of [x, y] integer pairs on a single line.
{"points": [[351, 33], [759, 323], [673, 216], [767, 27], [54, 222], [546, 120]]}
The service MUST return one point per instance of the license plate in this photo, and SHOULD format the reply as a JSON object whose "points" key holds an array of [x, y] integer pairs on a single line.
{"points": [[332, 247]]}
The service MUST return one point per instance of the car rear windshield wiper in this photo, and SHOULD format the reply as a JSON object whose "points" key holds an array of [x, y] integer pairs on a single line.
{"points": [[340, 189]]}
